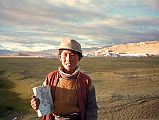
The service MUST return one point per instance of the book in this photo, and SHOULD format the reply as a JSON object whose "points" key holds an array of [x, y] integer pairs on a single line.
{"points": [[43, 93]]}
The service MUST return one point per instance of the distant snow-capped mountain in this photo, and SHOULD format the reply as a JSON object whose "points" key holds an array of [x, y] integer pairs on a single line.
{"points": [[6, 52]]}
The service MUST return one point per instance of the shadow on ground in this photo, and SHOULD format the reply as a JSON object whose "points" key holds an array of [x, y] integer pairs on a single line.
{"points": [[9, 101]]}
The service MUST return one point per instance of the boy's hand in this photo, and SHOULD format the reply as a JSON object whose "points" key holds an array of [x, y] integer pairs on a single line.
{"points": [[35, 102]]}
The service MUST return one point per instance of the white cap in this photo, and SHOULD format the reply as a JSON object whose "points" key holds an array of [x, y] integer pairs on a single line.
{"points": [[70, 44]]}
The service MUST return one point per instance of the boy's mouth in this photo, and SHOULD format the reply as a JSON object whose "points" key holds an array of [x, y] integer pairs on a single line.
{"points": [[68, 63]]}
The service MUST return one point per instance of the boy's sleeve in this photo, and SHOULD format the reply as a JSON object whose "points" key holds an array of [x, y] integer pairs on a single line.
{"points": [[91, 111]]}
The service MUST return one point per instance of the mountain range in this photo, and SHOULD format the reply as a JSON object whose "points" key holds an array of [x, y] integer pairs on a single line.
{"points": [[150, 48], [45, 53]]}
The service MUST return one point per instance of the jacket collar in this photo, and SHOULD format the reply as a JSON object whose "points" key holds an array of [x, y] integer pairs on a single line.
{"points": [[66, 75]]}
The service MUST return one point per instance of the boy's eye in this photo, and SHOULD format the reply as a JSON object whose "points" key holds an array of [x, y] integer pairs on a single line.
{"points": [[64, 54], [72, 54]]}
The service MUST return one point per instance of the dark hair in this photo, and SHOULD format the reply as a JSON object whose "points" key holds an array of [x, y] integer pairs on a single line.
{"points": [[79, 54]]}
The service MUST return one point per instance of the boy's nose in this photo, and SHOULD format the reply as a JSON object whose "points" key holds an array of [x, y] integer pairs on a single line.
{"points": [[68, 56]]}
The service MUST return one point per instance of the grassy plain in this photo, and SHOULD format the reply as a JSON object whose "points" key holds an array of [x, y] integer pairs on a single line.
{"points": [[125, 88]]}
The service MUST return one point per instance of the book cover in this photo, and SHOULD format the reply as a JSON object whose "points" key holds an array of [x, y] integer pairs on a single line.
{"points": [[43, 93]]}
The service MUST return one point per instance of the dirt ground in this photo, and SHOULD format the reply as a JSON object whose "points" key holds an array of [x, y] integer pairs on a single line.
{"points": [[146, 108], [122, 97]]}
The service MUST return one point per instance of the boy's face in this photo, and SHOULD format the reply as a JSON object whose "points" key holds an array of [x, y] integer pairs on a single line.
{"points": [[69, 60]]}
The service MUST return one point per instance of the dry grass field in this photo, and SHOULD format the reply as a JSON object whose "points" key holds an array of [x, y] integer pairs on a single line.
{"points": [[125, 88]]}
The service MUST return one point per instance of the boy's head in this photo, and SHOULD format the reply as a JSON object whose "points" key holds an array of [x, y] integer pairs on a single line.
{"points": [[70, 54], [70, 44]]}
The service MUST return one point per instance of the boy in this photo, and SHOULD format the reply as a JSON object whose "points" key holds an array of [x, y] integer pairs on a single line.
{"points": [[72, 91]]}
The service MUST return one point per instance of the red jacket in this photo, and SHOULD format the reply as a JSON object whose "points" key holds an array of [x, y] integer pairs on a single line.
{"points": [[83, 87]]}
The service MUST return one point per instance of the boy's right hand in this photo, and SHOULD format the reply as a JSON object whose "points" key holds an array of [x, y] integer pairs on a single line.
{"points": [[35, 102]]}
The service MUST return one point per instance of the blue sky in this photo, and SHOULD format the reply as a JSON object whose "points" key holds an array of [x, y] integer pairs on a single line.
{"points": [[34, 25]]}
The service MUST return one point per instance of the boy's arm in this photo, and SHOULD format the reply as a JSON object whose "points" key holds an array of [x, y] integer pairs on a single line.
{"points": [[91, 111]]}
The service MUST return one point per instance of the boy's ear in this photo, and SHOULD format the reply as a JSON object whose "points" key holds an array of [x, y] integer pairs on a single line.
{"points": [[59, 56]]}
